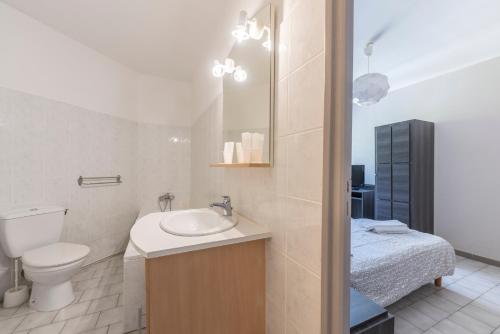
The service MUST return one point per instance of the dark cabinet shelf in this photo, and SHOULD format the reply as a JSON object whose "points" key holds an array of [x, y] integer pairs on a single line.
{"points": [[366, 317], [362, 203]]}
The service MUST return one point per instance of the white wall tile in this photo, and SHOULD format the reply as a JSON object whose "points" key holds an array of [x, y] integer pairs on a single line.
{"points": [[164, 157], [275, 276], [275, 318], [306, 96], [46, 145], [305, 165], [303, 233], [303, 305], [287, 197], [5, 181], [307, 32], [281, 119]]}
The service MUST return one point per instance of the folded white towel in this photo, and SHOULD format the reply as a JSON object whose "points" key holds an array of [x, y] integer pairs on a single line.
{"points": [[383, 226]]}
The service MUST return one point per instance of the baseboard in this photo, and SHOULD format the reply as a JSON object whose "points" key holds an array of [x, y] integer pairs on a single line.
{"points": [[478, 258]]}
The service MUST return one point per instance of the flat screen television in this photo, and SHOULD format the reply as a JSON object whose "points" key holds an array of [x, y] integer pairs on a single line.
{"points": [[358, 176]]}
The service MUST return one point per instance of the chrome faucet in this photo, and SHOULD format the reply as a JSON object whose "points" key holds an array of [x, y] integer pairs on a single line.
{"points": [[226, 205]]}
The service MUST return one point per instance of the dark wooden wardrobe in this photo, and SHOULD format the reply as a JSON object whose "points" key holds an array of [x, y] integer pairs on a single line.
{"points": [[404, 167]]}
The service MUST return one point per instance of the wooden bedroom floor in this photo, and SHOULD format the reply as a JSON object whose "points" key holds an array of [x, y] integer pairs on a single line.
{"points": [[468, 303]]}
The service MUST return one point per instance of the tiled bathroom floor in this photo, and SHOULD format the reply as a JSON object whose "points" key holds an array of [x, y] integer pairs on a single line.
{"points": [[97, 308], [468, 303]]}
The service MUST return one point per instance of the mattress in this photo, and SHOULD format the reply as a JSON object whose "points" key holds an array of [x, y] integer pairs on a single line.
{"points": [[387, 267]]}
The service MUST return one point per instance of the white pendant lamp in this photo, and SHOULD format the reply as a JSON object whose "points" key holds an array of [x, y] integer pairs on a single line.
{"points": [[370, 88]]}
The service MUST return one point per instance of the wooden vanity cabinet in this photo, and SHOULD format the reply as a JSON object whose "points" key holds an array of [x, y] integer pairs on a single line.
{"points": [[218, 290]]}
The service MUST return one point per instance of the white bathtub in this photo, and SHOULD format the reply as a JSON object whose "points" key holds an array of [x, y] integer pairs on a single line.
{"points": [[134, 287]]}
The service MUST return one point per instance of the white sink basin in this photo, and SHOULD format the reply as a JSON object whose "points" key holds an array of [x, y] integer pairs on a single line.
{"points": [[198, 222]]}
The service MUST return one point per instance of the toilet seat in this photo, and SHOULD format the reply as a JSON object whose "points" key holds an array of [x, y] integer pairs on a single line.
{"points": [[57, 255], [51, 268]]}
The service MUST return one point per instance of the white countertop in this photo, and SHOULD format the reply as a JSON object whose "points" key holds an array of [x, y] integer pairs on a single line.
{"points": [[151, 241]]}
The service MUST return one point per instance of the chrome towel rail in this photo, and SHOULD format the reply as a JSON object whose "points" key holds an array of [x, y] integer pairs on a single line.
{"points": [[99, 180]]}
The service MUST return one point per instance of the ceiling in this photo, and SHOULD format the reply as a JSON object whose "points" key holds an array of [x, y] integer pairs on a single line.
{"points": [[419, 39], [160, 37], [415, 39]]}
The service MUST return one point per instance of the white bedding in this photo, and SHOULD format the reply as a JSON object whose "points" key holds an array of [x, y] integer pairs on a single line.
{"points": [[387, 267]]}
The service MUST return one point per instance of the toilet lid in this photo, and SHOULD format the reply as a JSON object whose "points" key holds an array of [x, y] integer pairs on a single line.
{"points": [[55, 255]]}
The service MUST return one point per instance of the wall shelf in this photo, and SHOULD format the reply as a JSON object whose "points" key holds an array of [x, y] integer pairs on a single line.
{"points": [[243, 165]]}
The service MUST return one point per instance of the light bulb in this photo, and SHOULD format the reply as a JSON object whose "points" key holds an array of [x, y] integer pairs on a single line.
{"points": [[229, 65], [218, 70], [240, 74], [256, 29], [241, 33], [267, 44]]}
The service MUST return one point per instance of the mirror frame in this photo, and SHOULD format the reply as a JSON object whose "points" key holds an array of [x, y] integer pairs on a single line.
{"points": [[272, 100]]}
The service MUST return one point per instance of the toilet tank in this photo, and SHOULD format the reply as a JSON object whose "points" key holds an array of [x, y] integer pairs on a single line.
{"points": [[29, 228]]}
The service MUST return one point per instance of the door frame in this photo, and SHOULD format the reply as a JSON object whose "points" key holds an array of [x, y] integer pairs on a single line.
{"points": [[336, 234]]}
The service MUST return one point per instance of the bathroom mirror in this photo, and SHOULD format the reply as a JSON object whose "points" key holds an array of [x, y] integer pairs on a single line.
{"points": [[248, 94]]}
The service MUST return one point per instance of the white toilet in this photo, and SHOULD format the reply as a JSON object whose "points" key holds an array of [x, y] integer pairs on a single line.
{"points": [[33, 234]]}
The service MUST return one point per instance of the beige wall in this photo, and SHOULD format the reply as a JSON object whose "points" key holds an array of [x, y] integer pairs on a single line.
{"points": [[38, 60], [41, 61], [464, 105], [287, 198]]}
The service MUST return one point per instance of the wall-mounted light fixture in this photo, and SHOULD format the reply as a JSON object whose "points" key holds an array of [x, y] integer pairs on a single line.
{"points": [[241, 31], [267, 42], [229, 67], [253, 28]]}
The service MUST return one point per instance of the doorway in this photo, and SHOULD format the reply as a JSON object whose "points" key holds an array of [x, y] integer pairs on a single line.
{"points": [[336, 167]]}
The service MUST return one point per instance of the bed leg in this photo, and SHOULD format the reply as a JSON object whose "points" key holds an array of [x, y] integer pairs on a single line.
{"points": [[438, 282]]}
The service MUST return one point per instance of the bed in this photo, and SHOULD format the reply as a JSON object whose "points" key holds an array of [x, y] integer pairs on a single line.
{"points": [[387, 267]]}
